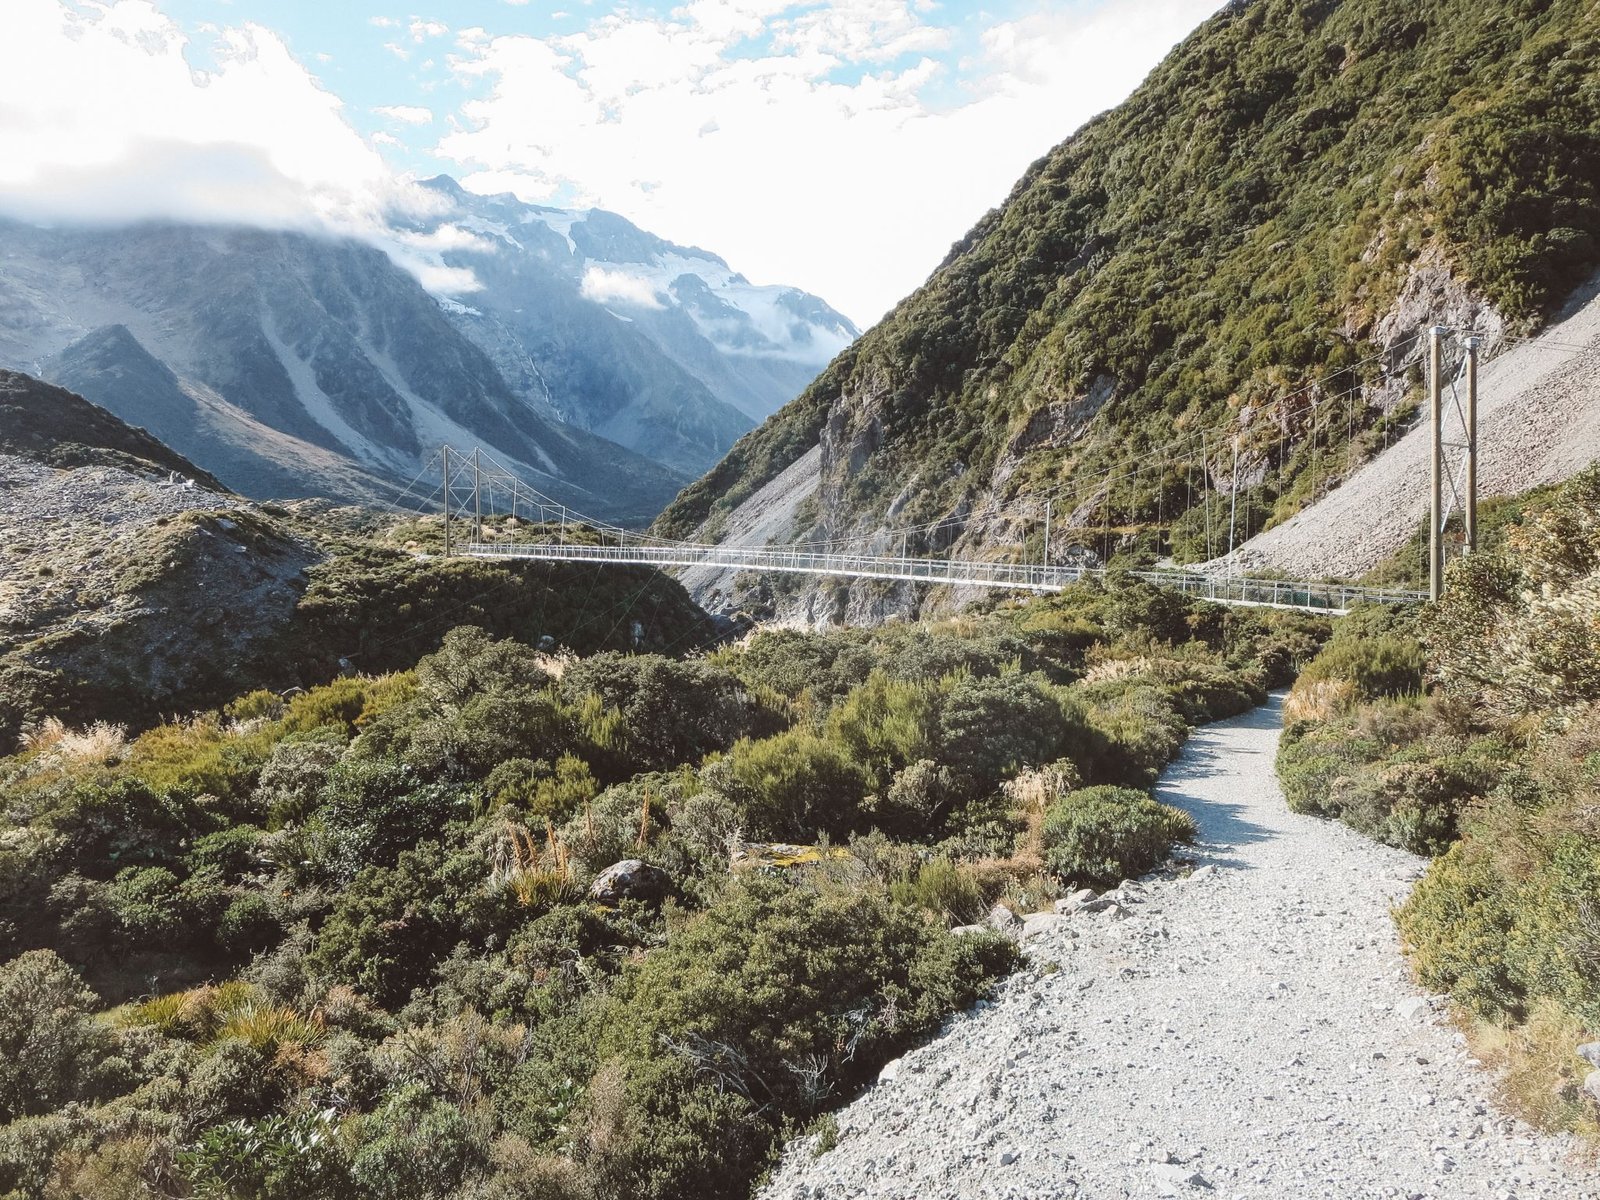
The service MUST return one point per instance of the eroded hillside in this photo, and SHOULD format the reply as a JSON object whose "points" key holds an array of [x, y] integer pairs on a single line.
{"points": [[1243, 253]]}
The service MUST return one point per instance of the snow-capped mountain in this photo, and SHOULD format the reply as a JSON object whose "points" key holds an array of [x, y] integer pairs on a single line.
{"points": [[663, 348], [608, 364], [285, 364]]}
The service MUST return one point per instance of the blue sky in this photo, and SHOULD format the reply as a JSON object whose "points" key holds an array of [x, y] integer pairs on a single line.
{"points": [[838, 145]]}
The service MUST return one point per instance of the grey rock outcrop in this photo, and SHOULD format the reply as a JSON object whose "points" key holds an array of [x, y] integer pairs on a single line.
{"points": [[630, 879]]}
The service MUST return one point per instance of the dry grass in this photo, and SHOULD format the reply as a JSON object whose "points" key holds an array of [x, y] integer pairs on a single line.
{"points": [[1109, 669], [537, 877], [101, 742], [1320, 700], [1540, 1076]]}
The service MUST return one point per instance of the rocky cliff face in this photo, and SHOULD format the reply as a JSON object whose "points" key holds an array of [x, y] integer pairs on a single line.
{"points": [[659, 347], [292, 365]]}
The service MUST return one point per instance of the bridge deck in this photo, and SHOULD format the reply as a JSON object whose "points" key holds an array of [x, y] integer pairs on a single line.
{"points": [[1225, 589]]}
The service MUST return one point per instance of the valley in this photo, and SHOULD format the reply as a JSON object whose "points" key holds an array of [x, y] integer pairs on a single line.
{"points": [[497, 705]]}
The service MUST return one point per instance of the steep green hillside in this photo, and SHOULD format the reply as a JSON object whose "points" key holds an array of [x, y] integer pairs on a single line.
{"points": [[1297, 191]]}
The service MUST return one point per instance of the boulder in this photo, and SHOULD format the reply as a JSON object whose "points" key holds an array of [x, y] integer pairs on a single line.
{"points": [[1040, 923], [630, 879], [1080, 901], [1004, 920], [1590, 1053], [1411, 1008], [1592, 1085]]}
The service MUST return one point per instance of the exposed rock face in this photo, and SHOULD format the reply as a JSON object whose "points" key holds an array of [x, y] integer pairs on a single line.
{"points": [[630, 879], [290, 365], [1431, 295], [659, 347]]}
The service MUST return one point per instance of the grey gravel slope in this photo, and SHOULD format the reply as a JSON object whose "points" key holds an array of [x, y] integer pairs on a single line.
{"points": [[1538, 422], [1249, 1032]]}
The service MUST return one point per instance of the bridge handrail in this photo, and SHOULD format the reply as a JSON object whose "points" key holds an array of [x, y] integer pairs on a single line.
{"points": [[1238, 589]]}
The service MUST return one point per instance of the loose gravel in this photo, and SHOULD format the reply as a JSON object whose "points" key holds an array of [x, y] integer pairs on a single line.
{"points": [[1538, 422], [1249, 1030]]}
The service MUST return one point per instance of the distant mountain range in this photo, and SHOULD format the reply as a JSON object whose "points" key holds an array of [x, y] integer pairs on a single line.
{"points": [[607, 365], [661, 348]]}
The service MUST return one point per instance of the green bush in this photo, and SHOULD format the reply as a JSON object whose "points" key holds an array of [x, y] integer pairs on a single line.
{"points": [[795, 786], [273, 1158], [769, 1004], [1098, 836], [1381, 666], [52, 1048]]}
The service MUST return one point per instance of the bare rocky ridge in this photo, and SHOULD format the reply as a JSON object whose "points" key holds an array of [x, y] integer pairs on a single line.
{"points": [[1248, 1031], [112, 574]]}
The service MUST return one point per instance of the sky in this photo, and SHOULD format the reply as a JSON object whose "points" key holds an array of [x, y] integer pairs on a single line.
{"points": [[840, 146]]}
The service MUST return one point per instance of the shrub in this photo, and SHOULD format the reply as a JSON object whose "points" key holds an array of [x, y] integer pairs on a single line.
{"points": [[1098, 836], [991, 728], [295, 1157], [1386, 665], [668, 712], [944, 889], [795, 786], [374, 808], [414, 1147], [768, 1004], [52, 1049]]}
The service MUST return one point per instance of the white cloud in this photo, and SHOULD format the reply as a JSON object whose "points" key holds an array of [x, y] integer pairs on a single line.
{"points": [[406, 114], [618, 287], [254, 139], [800, 141], [421, 30]]}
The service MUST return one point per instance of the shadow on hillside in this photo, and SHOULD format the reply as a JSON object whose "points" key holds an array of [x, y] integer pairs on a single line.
{"points": [[1223, 825]]}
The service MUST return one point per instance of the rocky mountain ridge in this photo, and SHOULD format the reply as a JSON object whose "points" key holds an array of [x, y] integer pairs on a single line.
{"points": [[296, 364], [659, 347], [605, 365]]}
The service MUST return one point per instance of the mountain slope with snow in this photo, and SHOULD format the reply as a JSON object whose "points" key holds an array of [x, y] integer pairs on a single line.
{"points": [[285, 363], [662, 348]]}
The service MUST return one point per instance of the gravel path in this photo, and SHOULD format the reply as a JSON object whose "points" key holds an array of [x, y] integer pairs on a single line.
{"points": [[1248, 1032]]}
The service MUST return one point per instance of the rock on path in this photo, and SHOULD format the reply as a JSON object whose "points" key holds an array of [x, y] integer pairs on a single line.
{"points": [[1249, 1032]]}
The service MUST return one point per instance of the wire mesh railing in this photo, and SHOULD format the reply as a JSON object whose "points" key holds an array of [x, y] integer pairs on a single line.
{"points": [[1036, 577]]}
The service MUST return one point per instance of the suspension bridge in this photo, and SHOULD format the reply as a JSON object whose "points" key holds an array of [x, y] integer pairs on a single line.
{"points": [[505, 518]]}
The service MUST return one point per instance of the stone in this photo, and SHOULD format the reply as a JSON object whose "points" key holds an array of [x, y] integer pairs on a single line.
{"points": [[1411, 1008], [630, 879], [1591, 1084], [1040, 923], [1075, 902], [1003, 919], [963, 930], [1199, 873], [1590, 1053], [891, 1070], [1007, 1157], [1172, 1178]]}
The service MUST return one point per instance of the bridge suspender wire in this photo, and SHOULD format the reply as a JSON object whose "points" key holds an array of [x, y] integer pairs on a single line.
{"points": [[642, 549]]}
